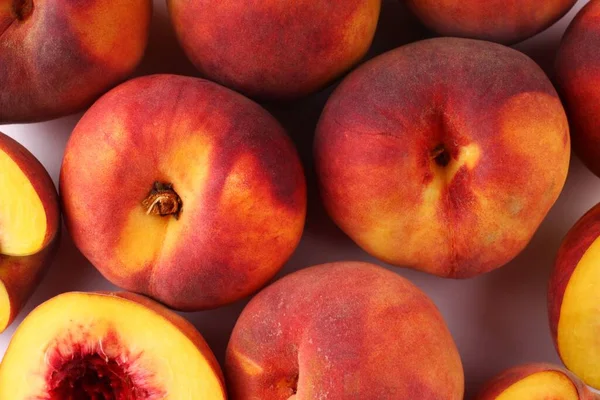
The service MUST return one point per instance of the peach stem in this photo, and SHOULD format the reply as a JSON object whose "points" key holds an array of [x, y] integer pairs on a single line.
{"points": [[163, 201]]}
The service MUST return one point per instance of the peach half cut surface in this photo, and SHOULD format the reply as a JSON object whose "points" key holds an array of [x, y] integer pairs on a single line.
{"points": [[536, 382], [29, 226], [574, 299], [108, 346]]}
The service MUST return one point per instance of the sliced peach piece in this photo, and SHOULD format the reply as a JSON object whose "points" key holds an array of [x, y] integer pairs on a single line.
{"points": [[574, 295], [536, 382], [29, 226], [117, 346]]}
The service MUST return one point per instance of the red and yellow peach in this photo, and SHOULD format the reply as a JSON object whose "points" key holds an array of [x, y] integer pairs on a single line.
{"points": [[183, 190], [342, 331], [578, 77], [503, 21], [274, 48], [443, 155], [58, 56]]}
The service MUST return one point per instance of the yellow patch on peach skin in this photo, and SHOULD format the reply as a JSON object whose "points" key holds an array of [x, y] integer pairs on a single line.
{"points": [[535, 126], [527, 121], [541, 386], [363, 20], [248, 365], [144, 238], [468, 156], [247, 197], [384, 231], [381, 226], [579, 321], [106, 31]]}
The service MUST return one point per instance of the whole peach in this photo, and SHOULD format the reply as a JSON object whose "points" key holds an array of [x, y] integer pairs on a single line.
{"points": [[183, 190], [58, 56], [503, 21], [444, 155], [343, 331], [578, 76], [274, 48]]}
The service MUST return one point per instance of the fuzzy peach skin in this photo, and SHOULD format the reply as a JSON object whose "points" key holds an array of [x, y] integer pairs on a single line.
{"points": [[342, 331], [502, 21], [578, 77], [236, 208], [116, 346], [573, 298], [274, 48], [444, 155], [29, 226], [58, 56], [536, 382]]}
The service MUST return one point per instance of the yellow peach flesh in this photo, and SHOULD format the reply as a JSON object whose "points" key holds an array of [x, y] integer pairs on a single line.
{"points": [[168, 359], [579, 321], [22, 215], [5, 307], [541, 386]]}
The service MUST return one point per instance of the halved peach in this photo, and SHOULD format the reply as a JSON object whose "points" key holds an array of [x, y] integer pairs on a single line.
{"points": [[536, 382], [29, 226], [574, 296], [117, 346]]}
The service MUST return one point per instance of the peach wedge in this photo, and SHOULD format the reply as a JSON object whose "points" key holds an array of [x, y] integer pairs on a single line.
{"points": [[343, 331], [29, 226], [117, 346], [573, 298], [536, 382]]}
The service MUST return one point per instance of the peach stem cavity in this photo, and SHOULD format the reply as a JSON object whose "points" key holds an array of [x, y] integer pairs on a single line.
{"points": [[22, 9], [163, 201]]}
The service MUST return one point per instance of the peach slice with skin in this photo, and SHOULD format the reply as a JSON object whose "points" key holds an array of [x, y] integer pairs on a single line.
{"points": [[117, 346], [29, 226], [573, 298], [536, 382], [183, 190], [343, 331]]}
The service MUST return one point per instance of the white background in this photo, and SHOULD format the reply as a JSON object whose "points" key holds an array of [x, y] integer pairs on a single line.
{"points": [[498, 320]]}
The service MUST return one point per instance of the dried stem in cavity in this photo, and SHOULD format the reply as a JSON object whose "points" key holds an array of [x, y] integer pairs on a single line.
{"points": [[163, 201], [22, 9], [440, 155]]}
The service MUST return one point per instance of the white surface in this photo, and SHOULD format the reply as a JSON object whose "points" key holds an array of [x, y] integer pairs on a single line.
{"points": [[498, 320]]}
